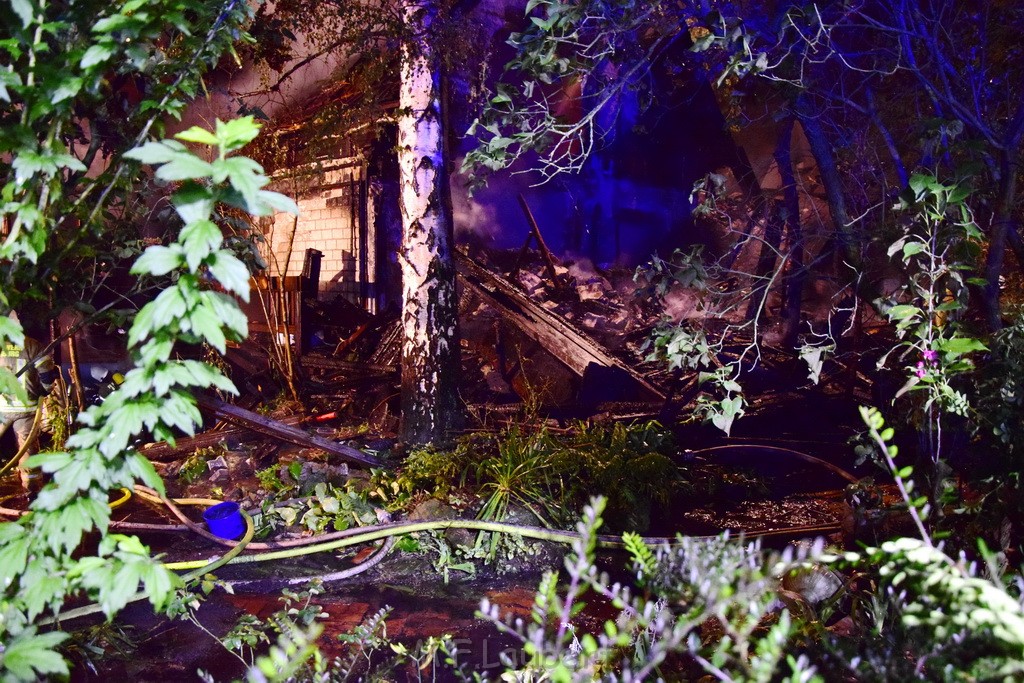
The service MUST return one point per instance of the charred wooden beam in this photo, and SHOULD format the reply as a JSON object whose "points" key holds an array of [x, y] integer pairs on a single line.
{"points": [[164, 450], [278, 430], [575, 350], [549, 258], [324, 363]]}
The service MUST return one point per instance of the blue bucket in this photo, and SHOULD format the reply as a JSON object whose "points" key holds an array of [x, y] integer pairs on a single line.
{"points": [[225, 520]]}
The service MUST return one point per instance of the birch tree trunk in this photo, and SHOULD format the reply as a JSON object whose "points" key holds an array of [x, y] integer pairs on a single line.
{"points": [[430, 350]]}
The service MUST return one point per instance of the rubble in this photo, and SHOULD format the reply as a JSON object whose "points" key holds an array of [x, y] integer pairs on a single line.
{"points": [[578, 352]]}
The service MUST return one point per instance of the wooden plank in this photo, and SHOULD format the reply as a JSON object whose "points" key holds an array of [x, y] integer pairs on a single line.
{"points": [[325, 363], [549, 259], [574, 349], [279, 430], [163, 450]]}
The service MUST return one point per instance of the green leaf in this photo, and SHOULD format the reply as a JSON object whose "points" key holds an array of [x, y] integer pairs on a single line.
{"points": [[237, 133], [268, 202], [198, 135], [230, 273], [10, 385], [29, 655], [207, 325], [227, 309], [246, 177], [911, 248], [157, 260], [959, 345], [11, 331], [903, 312], [185, 167], [193, 202], [8, 78], [13, 558], [199, 240], [112, 23], [155, 152], [97, 54]]}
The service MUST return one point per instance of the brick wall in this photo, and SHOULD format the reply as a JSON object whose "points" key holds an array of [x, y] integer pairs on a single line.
{"points": [[331, 212]]}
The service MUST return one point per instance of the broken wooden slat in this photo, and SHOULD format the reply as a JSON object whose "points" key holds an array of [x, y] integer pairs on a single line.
{"points": [[162, 450], [324, 363], [211, 437], [549, 259], [575, 350], [344, 344], [279, 430]]}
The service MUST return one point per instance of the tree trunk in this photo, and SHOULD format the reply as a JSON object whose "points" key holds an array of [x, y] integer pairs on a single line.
{"points": [[791, 209], [764, 277], [821, 149], [1002, 219], [430, 350]]}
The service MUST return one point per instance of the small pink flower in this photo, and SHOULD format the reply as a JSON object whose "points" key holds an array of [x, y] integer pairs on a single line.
{"points": [[931, 356], [921, 370]]}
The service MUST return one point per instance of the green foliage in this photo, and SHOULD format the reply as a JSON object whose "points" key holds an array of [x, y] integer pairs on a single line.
{"points": [[1000, 391], [561, 50], [434, 469], [40, 569], [195, 466], [692, 583], [270, 480], [328, 507], [715, 607], [940, 242], [685, 345]]}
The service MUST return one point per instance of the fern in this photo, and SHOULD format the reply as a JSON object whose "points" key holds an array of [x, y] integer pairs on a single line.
{"points": [[644, 561]]}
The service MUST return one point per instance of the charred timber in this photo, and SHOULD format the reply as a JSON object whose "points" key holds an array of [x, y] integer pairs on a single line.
{"points": [[572, 348], [278, 430]]}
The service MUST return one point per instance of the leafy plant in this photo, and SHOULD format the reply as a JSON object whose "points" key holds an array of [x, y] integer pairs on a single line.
{"points": [[329, 506], [270, 479], [39, 567], [1000, 391], [195, 465], [940, 242]]}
